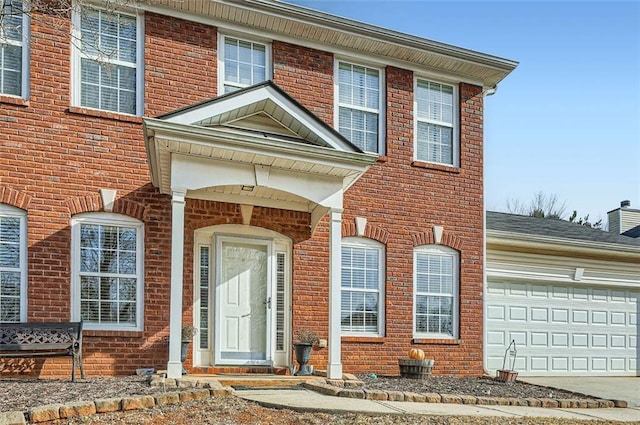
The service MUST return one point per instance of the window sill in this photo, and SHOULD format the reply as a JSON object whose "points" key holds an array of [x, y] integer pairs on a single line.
{"points": [[437, 341], [107, 334], [13, 100], [105, 114], [432, 166], [363, 339]]}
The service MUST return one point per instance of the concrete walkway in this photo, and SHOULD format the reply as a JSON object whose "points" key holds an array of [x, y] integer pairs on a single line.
{"points": [[305, 400], [619, 388]]}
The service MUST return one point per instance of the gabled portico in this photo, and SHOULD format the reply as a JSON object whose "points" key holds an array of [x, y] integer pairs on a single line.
{"points": [[253, 147]]}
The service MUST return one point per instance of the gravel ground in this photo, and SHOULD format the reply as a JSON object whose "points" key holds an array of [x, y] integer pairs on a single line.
{"points": [[479, 387], [22, 394]]}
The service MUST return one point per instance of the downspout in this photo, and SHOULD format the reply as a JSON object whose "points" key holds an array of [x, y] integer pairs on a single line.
{"points": [[487, 92]]}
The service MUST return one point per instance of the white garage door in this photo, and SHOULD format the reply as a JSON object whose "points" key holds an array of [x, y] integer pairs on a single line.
{"points": [[562, 330]]}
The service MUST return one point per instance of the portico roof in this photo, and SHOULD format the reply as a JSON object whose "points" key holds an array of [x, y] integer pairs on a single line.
{"points": [[255, 146]]}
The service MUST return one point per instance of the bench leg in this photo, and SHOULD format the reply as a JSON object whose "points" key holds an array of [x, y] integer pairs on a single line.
{"points": [[81, 367], [73, 368]]}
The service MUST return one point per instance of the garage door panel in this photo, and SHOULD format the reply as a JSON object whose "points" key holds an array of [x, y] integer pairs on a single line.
{"points": [[561, 329]]}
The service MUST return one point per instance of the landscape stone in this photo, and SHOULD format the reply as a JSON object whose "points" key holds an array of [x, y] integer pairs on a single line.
{"points": [[502, 401], [336, 382], [450, 398], [548, 403], [432, 397], [184, 383], [353, 383], [517, 402], [105, 405], [620, 403], [349, 377], [592, 404], [605, 404], [486, 401], [12, 418], [533, 402], [167, 398], [349, 393], [375, 395], [414, 397], [138, 402], [48, 412], [395, 396], [76, 409], [468, 399]]}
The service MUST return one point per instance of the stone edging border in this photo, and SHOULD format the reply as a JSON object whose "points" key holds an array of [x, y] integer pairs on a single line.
{"points": [[189, 390], [351, 387]]}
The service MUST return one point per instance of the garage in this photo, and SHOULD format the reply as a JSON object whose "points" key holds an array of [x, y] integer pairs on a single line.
{"points": [[562, 329], [568, 295]]}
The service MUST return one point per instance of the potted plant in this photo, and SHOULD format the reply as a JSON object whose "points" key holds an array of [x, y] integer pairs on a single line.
{"points": [[306, 339], [188, 332]]}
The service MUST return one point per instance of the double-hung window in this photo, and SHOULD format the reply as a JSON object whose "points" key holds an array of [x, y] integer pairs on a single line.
{"points": [[359, 106], [107, 271], [13, 264], [108, 61], [14, 57], [245, 63], [435, 292], [362, 295], [436, 133]]}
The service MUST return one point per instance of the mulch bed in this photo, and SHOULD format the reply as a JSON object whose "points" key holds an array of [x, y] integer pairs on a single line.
{"points": [[479, 387]]}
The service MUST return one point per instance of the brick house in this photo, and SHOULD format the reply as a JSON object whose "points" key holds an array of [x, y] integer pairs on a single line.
{"points": [[251, 168]]}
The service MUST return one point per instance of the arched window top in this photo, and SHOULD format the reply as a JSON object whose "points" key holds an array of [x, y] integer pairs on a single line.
{"points": [[105, 217], [6, 210]]}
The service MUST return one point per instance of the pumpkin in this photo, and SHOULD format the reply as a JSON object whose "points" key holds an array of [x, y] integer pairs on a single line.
{"points": [[416, 353]]}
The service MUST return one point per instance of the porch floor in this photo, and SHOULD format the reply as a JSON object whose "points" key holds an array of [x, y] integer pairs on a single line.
{"points": [[250, 380]]}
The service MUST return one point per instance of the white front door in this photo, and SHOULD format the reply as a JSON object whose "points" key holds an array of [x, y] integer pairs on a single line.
{"points": [[243, 294], [236, 269]]}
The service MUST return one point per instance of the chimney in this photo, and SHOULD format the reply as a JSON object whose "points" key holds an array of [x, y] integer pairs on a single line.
{"points": [[624, 219]]}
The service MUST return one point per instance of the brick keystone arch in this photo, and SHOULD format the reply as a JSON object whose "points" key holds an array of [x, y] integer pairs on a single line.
{"points": [[93, 203], [15, 198], [371, 231], [427, 238]]}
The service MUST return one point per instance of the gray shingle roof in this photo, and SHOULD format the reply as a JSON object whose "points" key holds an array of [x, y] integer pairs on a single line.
{"points": [[634, 232], [553, 228]]}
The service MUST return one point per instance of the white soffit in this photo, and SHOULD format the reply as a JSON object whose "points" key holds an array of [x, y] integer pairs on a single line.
{"points": [[292, 23]]}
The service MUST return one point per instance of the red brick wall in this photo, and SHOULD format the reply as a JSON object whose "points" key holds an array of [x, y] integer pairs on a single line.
{"points": [[56, 158]]}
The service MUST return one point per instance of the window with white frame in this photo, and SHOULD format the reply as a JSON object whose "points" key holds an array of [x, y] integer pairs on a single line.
{"points": [[436, 134], [108, 60], [435, 292], [13, 264], [359, 95], [14, 57], [245, 63], [362, 295], [107, 271]]}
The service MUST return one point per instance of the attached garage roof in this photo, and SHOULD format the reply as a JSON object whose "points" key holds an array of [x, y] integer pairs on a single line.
{"points": [[544, 227]]}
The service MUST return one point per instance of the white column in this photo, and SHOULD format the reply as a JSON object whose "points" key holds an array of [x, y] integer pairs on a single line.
{"points": [[174, 366], [334, 368]]}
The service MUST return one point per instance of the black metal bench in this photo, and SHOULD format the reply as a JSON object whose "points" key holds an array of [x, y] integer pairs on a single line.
{"points": [[20, 340]]}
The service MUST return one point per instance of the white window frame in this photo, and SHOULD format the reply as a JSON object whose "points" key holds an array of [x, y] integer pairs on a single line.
{"points": [[359, 242], [9, 211], [24, 45], [268, 71], [106, 219], [454, 125], [455, 320], [381, 111], [78, 55]]}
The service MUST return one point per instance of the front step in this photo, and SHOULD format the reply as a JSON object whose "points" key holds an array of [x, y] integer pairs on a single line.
{"points": [[240, 370], [252, 380]]}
